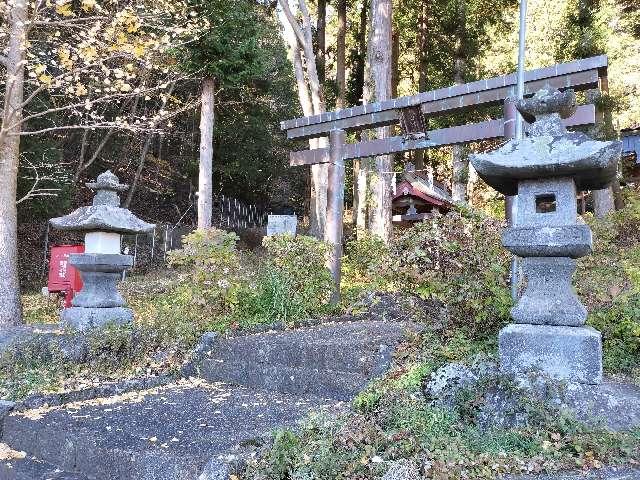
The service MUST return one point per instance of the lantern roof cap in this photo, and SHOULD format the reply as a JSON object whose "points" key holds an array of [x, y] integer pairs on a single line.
{"points": [[105, 214], [549, 150]]}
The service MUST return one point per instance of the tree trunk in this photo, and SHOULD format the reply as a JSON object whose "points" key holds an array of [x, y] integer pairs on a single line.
{"points": [[205, 181], [318, 202], [618, 199], [10, 306], [301, 39], [459, 153], [460, 178], [321, 39], [379, 83], [603, 202], [423, 65], [360, 181], [341, 54], [360, 166], [395, 59], [355, 94]]}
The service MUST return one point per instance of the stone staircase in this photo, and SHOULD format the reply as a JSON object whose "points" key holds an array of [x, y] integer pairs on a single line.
{"points": [[196, 429]]}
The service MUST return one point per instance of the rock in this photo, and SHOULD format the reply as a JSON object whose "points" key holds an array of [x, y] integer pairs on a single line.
{"points": [[549, 299], [74, 348], [101, 266], [392, 307], [403, 470], [83, 318], [215, 470], [507, 401], [545, 170], [105, 213], [6, 407], [609, 473], [204, 347], [573, 354], [447, 382]]}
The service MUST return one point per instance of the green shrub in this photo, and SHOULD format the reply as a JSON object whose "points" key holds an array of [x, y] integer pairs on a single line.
{"points": [[273, 299], [458, 259], [365, 267], [301, 260], [200, 294], [619, 324]]}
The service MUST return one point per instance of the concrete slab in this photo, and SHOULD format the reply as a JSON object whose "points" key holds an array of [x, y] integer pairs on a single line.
{"points": [[168, 433], [573, 354]]}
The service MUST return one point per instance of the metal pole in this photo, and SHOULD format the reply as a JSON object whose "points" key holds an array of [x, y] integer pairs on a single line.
{"points": [[520, 76], [135, 252], [46, 251], [510, 115], [517, 131], [153, 244], [335, 208]]}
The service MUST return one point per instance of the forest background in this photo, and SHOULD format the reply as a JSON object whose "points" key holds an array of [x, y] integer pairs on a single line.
{"points": [[147, 129]]}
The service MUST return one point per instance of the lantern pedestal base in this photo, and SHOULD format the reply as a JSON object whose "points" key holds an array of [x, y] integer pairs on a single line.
{"points": [[80, 318], [573, 354]]}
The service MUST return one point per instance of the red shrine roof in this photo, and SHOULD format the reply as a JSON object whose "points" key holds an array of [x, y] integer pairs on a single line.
{"points": [[417, 186]]}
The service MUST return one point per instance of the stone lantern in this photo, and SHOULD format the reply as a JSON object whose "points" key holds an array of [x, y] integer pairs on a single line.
{"points": [[545, 170], [102, 264]]}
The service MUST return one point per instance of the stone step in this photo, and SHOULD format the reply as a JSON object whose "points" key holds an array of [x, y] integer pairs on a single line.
{"points": [[34, 469], [361, 357], [330, 360], [299, 381], [175, 432]]}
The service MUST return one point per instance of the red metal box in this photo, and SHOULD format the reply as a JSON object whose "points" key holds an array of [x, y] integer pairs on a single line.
{"points": [[62, 276]]}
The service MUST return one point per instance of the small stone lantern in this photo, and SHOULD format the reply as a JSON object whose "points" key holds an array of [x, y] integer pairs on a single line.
{"points": [[545, 170], [102, 264]]}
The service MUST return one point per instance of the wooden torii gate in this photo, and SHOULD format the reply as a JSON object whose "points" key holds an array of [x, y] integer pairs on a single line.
{"points": [[410, 112]]}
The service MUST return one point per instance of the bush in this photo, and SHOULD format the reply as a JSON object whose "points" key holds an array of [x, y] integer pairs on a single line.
{"points": [[272, 300], [301, 260], [198, 295], [366, 266], [619, 324], [457, 259], [215, 287]]}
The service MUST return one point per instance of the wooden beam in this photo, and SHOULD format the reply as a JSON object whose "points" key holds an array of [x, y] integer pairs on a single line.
{"points": [[585, 115], [577, 81], [598, 63]]}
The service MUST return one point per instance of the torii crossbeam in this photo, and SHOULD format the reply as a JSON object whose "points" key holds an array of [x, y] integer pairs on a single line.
{"points": [[409, 112]]}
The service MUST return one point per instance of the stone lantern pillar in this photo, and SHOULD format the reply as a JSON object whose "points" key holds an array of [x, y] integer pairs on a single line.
{"points": [[102, 264], [545, 170]]}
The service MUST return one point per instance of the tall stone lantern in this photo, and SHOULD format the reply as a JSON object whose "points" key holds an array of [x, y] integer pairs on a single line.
{"points": [[545, 170], [102, 264]]}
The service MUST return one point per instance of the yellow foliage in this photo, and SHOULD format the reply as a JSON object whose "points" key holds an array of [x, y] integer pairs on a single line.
{"points": [[81, 90], [46, 79], [89, 53], [64, 8], [88, 5], [138, 50], [64, 55]]}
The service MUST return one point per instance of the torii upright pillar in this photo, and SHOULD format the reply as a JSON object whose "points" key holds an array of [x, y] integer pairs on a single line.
{"points": [[335, 208]]}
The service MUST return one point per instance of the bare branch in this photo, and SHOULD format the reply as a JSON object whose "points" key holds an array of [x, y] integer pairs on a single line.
{"points": [[149, 128], [96, 101], [43, 87], [93, 126], [34, 191], [69, 22]]}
